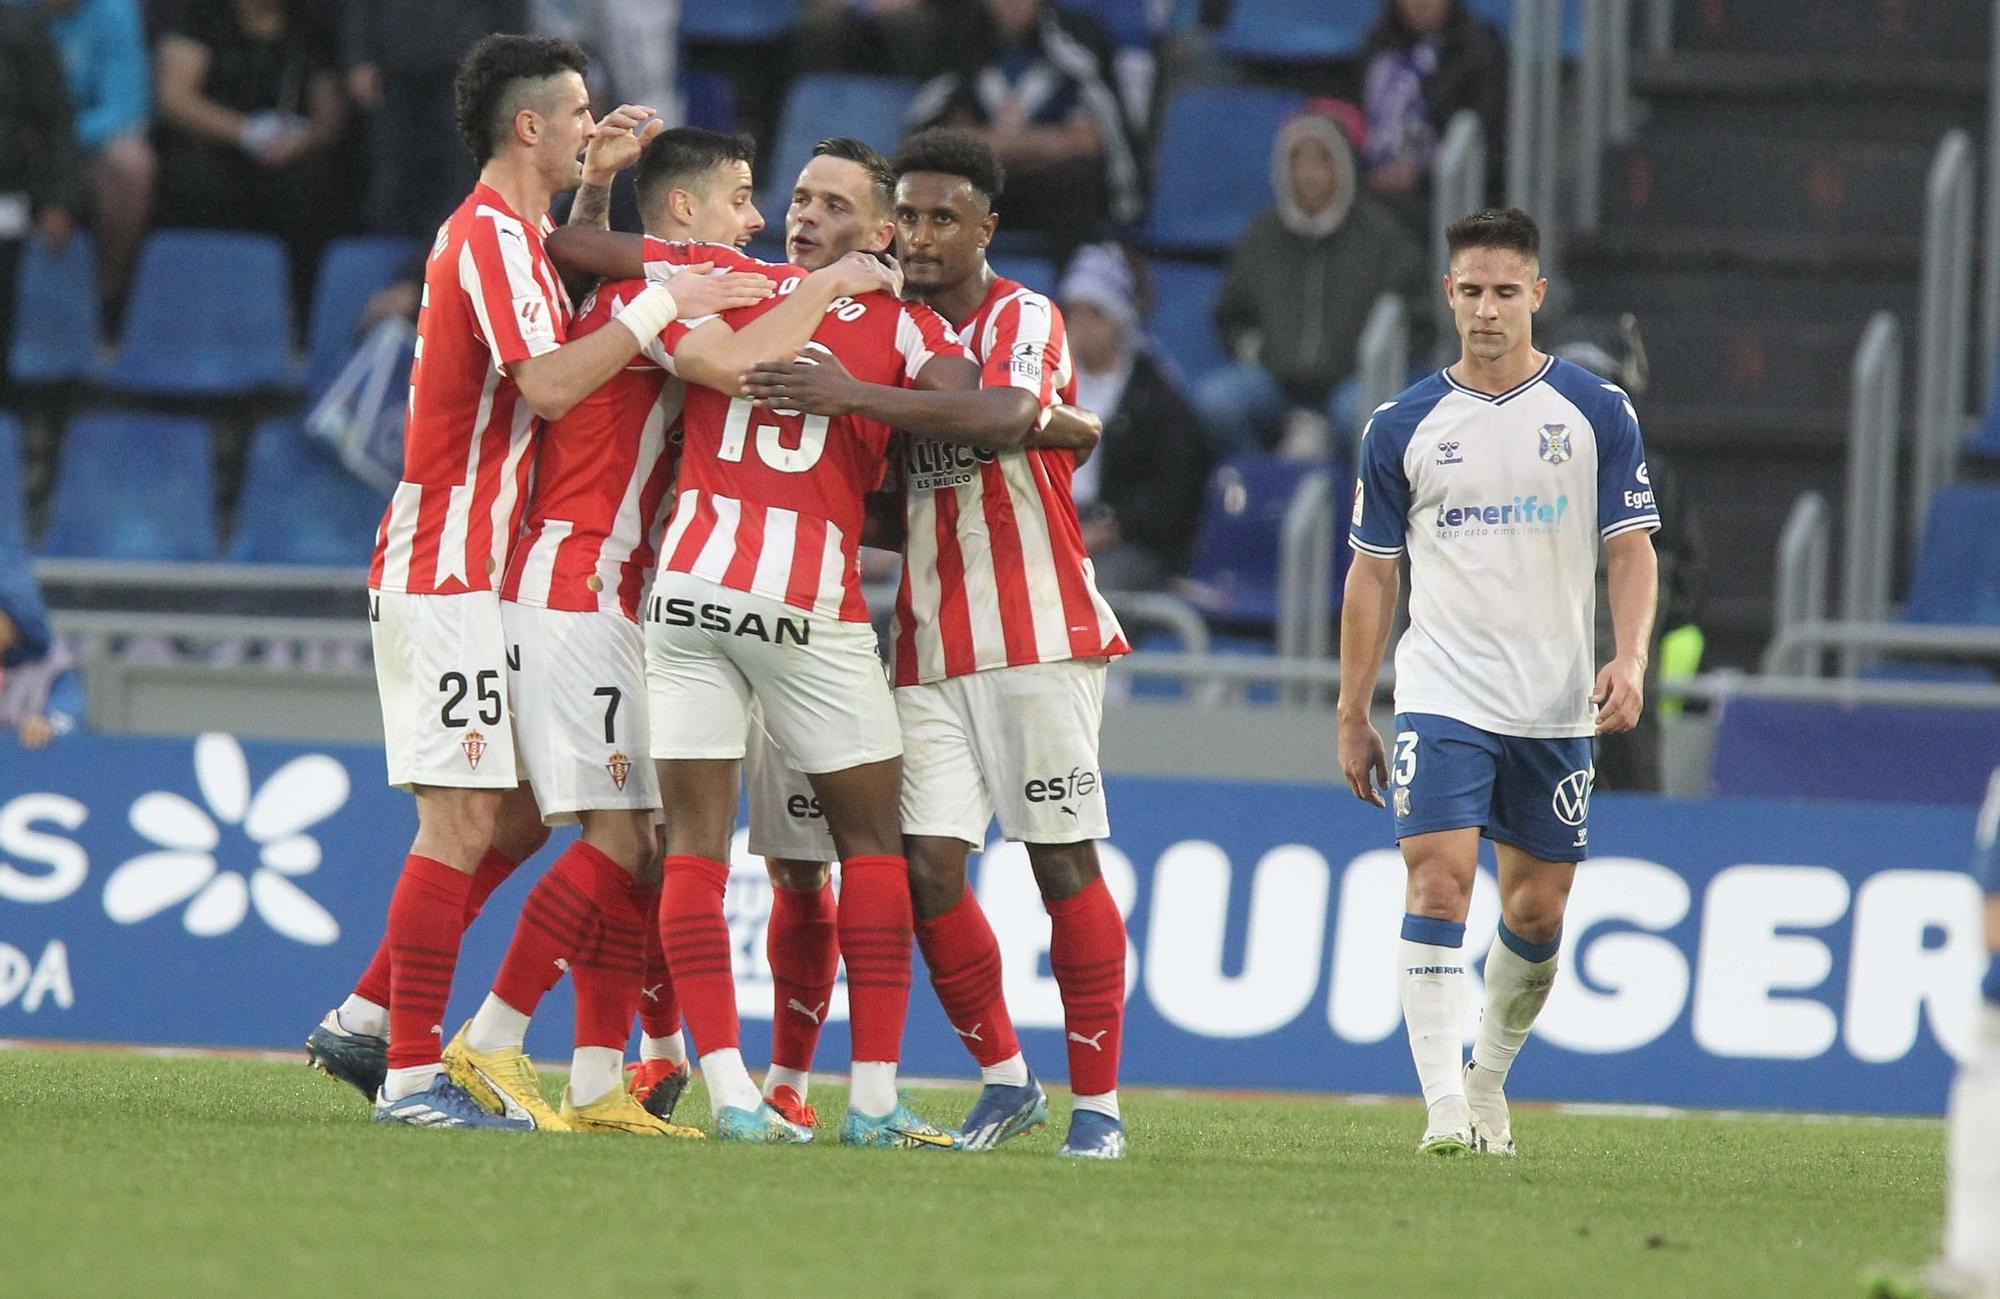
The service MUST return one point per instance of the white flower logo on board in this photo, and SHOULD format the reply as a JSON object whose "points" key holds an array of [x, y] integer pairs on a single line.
{"points": [[189, 839]]}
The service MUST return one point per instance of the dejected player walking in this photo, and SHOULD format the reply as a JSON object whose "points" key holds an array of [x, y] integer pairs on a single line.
{"points": [[1498, 477]]}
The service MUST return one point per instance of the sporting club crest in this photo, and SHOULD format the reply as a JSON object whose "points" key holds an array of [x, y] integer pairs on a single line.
{"points": [[1555, 443], [474, 745], [620, 767]]}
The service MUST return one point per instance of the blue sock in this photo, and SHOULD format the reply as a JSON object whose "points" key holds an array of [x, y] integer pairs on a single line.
{"points": [[1532, 953], [1429, 929]]}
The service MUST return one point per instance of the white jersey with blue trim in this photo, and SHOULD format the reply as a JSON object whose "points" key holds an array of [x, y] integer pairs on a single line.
{"points": [[1500, 502]]}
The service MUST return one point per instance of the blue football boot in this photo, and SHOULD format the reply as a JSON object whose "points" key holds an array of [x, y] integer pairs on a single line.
{"points": [[762, 1126], [1002, 1112], [1093, 1136], [361, 1060], [445, 1104], [899, 1129]]}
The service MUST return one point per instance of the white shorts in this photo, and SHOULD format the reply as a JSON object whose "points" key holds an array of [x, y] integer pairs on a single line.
{"points": [[1018, 741], [441, 669], [786, 823], [711, 650], [579, 691]]}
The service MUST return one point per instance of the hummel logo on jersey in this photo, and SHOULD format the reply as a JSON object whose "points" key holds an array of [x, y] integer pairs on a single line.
{"points": [[678, 612], [1095, 1041], [1448, 454], [971, 1035], [810, 1012]]}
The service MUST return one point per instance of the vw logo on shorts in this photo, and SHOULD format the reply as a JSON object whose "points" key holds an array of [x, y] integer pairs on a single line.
{"points": [[1572, 797]]}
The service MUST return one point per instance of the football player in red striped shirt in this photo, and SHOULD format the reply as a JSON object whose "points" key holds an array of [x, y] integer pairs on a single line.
{"points": [[1001, 647], [493, 361]]}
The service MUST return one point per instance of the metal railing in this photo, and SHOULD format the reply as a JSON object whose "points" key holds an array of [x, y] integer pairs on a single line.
{"points": [[1604, 112], [1944, 323], [1803, 641], [1381, 361], [1305, 575], [1534, 92], [1989, 287], [1458, 188], [1802, 557], [1874, 427], [1659, 27], [1719, 687]]}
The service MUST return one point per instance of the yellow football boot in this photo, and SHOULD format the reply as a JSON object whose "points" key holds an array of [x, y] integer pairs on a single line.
{"points": [[617, 1111], [502, 1081]]}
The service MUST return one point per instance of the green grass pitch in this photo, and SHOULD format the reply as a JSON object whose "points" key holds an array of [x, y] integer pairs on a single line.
{"points": [[129, 1174]]}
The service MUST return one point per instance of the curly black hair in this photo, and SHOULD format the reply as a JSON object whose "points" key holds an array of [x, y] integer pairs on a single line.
{"points": [[954, 153], [882, 181], [1508, 228], [492, 77]]}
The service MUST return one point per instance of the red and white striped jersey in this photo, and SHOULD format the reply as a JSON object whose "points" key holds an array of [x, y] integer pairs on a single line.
{"points": [[772, 503], [994, 569], [602, 477], [491, 298]]}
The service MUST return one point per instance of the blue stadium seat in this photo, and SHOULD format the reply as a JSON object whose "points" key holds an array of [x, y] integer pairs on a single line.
{"points": [[351, 272], [1183, 320], [13, 497], [1126, 22], [134, 485], [1958, 565], [1233, 577], [738, 22], [824, 105], [56, 322], [1296, 31], [210, 316], [1213, 170], [300, 506], [1501, 14], [1037, 273]]}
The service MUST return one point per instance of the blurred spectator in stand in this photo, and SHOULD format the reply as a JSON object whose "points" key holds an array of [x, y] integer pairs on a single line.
{"points": [[103, 49], [41, 178], [1027, 81], [901, 38], [250, 109], [400, 59], [1424, 62], [1139, 497], [635, 42], [1297, 292], [41, 691]]}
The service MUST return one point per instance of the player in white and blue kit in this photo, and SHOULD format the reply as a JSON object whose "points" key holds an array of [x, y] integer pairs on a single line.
{"points": [[1498, 477]]}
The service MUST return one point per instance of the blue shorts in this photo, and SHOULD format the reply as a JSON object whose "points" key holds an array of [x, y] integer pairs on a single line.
{"points": [[1531, 793]]}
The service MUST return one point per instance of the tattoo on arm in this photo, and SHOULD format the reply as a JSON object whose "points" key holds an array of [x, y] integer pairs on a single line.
{"points": [[592, 207]]}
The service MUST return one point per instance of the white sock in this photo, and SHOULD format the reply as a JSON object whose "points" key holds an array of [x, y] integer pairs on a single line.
{"points": [[729, 1084], [1972, 1194], [360, 1015], [1431, 979], [779, 1076], [872, 1087], [594, 1073], [1517, 985], [1105, 1103], [672, 1048], [496, 1027], [1011, 1072], [398, 1083]]}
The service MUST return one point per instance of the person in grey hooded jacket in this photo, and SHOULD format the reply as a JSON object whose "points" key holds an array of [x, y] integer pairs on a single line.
{"points": [[41, 692], [1299, 287]]}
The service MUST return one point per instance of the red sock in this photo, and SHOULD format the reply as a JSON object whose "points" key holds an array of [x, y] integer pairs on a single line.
{"points": [[423, 933], [556, 919], [694, 932], [965, 970], [875, 943], [1087, 954], [494, 868], [803, 946], [607, 969], [659, 1007]]}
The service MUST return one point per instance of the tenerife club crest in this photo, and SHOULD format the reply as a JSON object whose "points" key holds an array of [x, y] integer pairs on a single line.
{"points": [[1555, 443]]}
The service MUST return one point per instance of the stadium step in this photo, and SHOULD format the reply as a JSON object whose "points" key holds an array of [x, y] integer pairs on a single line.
{"points": [[1808, 189], [1889, 31], [1823, 99], [1782, 374]]}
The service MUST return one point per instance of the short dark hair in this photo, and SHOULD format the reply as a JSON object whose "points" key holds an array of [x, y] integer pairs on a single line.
{"points": [[490, 78], [1508, 228], [678, 158], [954, 153], [880, 178]]}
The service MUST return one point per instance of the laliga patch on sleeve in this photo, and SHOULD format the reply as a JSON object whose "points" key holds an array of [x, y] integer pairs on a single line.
{"points": [[532, 316]]}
